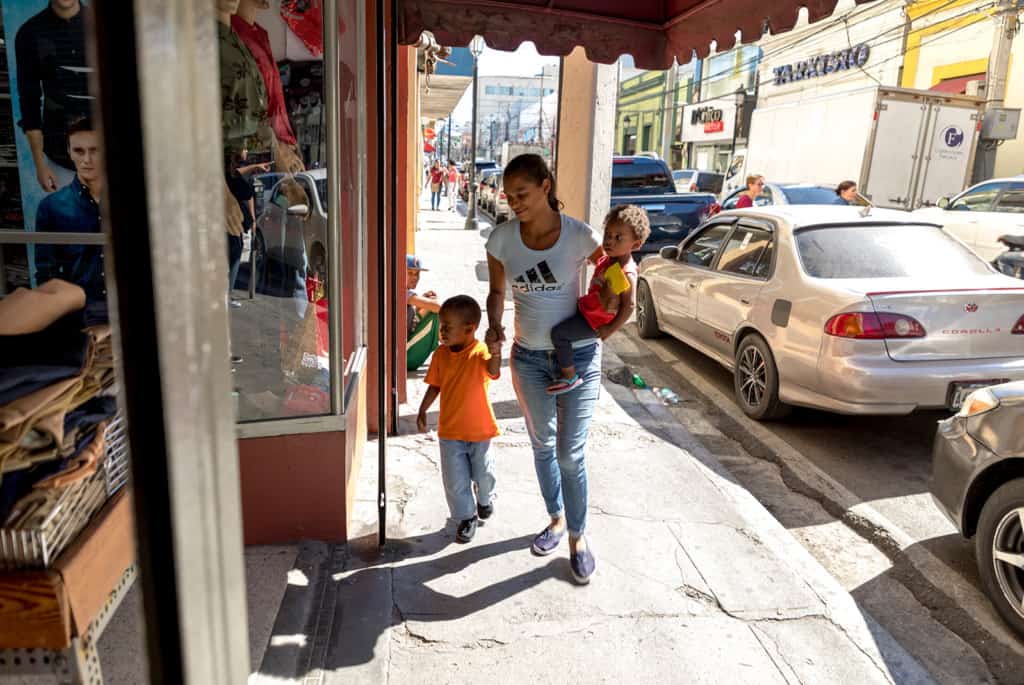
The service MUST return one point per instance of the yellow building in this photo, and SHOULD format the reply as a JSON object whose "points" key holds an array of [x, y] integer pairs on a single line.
{"points": [[947, 49]]}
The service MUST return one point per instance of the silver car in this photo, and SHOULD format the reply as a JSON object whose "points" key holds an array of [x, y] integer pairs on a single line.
{"points": [[836, 308], [978, 483], [291, 237]]}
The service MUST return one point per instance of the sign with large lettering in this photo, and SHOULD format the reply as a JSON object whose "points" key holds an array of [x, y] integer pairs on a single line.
{"points": [[710, 120], [823, 65]]}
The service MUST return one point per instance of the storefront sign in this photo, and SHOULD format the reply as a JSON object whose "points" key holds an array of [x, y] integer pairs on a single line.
{"points": [[708, 121], [709, 117], [822, 65]]}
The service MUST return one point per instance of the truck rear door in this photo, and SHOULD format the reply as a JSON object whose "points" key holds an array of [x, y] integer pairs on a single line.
{"points": [[899, 129], [952, 134]]}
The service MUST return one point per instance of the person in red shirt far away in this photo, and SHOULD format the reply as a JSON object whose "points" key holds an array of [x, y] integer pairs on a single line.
{"points": [[605, 307], [755, 186], [460, 372], [435, 177]]}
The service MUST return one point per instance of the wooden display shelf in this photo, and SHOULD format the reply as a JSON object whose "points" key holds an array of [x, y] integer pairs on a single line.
{"points": [[51, 619]]}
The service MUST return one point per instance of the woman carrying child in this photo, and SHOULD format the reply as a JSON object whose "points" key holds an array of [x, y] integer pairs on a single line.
{"points": [[542, 255]]}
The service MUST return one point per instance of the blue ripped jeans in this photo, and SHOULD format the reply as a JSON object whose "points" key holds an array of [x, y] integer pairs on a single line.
{"points": [[558, 426]]}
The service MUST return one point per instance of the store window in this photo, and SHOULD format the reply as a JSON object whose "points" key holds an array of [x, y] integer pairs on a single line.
{"points": [[285, 230]]}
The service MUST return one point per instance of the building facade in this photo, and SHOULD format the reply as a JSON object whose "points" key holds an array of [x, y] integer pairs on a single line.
{"points": [[947, 49]]}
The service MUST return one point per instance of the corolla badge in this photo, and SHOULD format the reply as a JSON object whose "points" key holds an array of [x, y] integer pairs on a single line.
{"points": [[953, 136]]}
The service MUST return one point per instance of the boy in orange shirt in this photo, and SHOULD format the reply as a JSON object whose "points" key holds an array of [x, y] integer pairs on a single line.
{"points": [[460, 371]]}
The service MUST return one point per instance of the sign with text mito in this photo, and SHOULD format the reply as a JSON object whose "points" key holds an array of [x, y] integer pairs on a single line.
{"points": [[708, 121], [823, 65]]}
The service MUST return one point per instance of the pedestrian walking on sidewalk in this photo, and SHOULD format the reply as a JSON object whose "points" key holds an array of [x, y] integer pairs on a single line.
{"points": [[434, 179], [453, 185], [460, 372], [541, 255]]}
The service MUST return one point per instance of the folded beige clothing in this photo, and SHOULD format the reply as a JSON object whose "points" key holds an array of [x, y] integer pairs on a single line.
{"points": [[30, 311]]}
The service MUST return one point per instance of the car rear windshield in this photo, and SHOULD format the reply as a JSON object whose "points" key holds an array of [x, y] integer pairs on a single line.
{"points": [[811, 195], [884, 251], [640, 175], [709, 182]]}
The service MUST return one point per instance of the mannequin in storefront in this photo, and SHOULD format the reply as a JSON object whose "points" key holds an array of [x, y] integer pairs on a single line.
{"points": [[244, 105], [256, 39]]}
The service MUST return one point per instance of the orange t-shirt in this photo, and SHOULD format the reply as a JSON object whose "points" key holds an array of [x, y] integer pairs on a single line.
{"points": [[462, 376]]}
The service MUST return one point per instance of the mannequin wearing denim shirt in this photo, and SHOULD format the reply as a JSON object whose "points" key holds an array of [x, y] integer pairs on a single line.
{"points": [[72, 209]]}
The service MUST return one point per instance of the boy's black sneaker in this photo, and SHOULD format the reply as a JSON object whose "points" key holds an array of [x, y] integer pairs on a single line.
{"points": [[484, 511], [466, 531]]}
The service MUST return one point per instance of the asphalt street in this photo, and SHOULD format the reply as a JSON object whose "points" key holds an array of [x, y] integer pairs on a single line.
{"points": [[854, 491]]}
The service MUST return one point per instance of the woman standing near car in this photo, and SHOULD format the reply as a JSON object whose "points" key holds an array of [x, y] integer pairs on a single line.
{"points": [[755, 185], [542, 255], [847, 192]]}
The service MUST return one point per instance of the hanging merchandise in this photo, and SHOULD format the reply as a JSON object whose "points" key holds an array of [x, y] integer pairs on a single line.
{"points": [[305, 19]]}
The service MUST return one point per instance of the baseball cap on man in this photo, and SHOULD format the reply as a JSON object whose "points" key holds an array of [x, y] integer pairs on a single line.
{"points": [[413, 262]]}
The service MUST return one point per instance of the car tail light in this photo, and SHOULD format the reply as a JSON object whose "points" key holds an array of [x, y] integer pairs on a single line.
{"points": [[1018, 328], [713, 209], [978, 402], [872, 326]]}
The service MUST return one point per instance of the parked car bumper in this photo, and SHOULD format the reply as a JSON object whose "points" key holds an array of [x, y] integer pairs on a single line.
{"points": [[857, 377], [956, 456]]}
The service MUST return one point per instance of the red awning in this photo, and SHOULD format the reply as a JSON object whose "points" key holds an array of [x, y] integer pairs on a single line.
{"points": [[958, 85], [652, 31]]}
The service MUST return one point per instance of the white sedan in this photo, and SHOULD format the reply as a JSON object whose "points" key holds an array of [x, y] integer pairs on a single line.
{"points": [[852, 311], [981, 214]]}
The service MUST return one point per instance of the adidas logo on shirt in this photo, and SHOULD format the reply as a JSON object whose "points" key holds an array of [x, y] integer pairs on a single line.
{"points": [[537, 278]]}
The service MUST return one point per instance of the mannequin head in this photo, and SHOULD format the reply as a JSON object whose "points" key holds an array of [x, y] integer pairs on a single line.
{"points": [[226, 7]]}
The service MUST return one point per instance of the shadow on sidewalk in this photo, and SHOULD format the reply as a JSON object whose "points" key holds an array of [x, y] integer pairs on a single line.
{"points": [[384, 590]]}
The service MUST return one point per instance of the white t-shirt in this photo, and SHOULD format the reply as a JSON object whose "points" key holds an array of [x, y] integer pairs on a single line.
{"points": [[545, 283]]}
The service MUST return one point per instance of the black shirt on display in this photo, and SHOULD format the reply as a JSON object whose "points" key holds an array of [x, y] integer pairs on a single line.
{"points": [[53, 78]]}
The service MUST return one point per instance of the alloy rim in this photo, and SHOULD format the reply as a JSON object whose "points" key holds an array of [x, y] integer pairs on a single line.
{"points": [[641, 308], [753, 376], [1008, 558]]}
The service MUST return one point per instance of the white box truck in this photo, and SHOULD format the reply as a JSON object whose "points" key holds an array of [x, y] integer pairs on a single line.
{"points": [[904, 148]]}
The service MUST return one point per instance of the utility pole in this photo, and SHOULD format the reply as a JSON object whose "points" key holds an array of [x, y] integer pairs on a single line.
{"points": [[995, 81], [540, 117], [448, 133], [668, 113]]}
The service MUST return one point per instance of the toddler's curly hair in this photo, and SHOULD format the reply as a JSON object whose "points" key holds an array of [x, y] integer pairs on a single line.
{"points": [[633, 216]]}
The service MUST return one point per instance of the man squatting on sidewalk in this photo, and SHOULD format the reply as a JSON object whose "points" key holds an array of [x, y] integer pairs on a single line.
{"points": [[609, 301], [461, 371]]}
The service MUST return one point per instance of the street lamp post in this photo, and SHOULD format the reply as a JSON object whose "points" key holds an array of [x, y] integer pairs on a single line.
{"points": [[476, 48]]}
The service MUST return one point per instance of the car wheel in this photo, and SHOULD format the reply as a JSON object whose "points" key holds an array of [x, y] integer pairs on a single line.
{"points": [[259, 260], [999, 547], [756, 380], [646, 317]]}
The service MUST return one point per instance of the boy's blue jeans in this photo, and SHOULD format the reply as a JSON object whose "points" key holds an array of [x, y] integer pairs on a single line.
{"points": [[558, 426], [462, 464]]}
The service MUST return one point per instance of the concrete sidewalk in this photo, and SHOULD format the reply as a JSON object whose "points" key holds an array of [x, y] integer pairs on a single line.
{"points": [[696, 581]]}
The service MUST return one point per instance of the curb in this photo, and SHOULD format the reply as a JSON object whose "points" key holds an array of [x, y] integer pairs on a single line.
{"points": [[862, 630]]}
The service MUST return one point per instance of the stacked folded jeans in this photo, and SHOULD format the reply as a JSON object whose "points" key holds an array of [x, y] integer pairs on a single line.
{"points": [[56, 402]]}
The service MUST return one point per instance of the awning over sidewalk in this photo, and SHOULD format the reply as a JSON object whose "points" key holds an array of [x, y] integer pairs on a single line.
{"points": [[654, 32]]}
